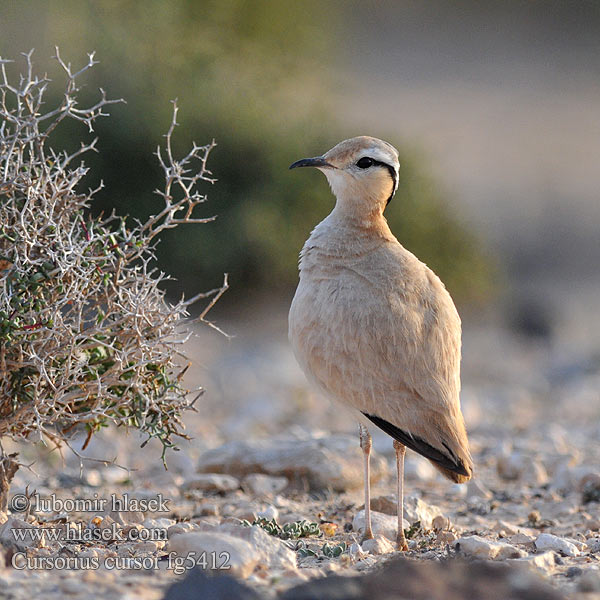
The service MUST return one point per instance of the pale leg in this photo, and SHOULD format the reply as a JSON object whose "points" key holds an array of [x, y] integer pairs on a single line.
{"points": [[366, 444], [400, 452]]}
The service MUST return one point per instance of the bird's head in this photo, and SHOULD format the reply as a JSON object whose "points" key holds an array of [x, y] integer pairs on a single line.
{"points": [[362, 173]]}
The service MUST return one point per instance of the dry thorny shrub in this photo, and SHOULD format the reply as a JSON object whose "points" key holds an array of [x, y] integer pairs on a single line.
{"points": [[86, 333]]}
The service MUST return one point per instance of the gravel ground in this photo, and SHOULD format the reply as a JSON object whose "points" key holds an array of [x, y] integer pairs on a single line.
{"points": [[270, 486]]}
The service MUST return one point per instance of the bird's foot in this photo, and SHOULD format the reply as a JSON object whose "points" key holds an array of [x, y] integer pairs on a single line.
{"points": [[401, 544]]}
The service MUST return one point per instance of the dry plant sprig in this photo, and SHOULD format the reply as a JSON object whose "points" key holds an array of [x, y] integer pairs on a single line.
{"points": [[86, 333]]}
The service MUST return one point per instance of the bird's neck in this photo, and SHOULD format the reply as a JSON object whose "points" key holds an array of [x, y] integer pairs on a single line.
{"points": [[354, 215]]}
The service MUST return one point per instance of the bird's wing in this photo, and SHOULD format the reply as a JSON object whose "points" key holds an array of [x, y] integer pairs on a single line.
{"points": [[418, 336]]}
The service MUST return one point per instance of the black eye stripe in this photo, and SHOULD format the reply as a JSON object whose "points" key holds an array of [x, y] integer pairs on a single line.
{"points": [[367, 162]]}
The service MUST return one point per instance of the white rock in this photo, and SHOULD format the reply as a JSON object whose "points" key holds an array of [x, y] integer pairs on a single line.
{"points": [[259, 484], [479, 547], [356, 552], [270, 551], [237, 553], [183, 527], [333, 461], [541, 562], [269, 513], [12, 530], [416, 509], [593, 544], [378, 545], [386, 525], [547, 541], [211, 482], [160, 523]]}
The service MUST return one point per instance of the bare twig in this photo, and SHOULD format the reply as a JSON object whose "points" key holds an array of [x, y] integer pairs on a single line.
{"points": [[87, 336]]}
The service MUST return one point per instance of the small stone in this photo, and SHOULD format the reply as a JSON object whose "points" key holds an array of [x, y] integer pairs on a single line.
{"points": [[378, 545], [197, 584], [326, 462], [384, 504], [258, 484], [416, 509], [183, 527], [509, 466], [544, 562], [504, 528], [479, 547], [547, 541], [270, 551], [574, 572], [356, 552], [211, 482], [268, 513], [446, 537], [26, 530], [208, 509], [590, 488], [440, 523], [381, 524], [521, 538], [235, 552], [594, 544]]}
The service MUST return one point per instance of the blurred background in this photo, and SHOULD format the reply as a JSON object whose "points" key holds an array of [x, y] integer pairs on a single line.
{"points": [[494, 107]]}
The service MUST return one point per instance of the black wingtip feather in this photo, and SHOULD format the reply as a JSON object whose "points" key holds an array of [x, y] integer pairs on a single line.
{"points": [[420, 446]]}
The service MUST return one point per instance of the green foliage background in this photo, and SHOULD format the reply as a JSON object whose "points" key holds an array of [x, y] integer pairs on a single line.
{"points": [[257, 77]]}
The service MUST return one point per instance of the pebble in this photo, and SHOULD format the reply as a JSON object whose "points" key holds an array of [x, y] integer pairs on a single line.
{"points": [[544, 562], [381, 524], [547, 541], [7, 535], [593, 544], [446, 537], [211, 482], [416, 509], [505, 529], [270, 551], [440, 523], [268, 513], [262, 485], [478, 547], [237, 553], [329, 462], [183, 527], [378, 545], [517, 465], [521, 538]]}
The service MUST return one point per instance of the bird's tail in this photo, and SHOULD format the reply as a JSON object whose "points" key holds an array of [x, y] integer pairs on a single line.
{"points": [[449, 453]]}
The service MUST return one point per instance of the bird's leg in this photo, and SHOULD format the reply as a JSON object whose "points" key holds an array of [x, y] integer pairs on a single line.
{"points": [[400, 452], [366, 443]]}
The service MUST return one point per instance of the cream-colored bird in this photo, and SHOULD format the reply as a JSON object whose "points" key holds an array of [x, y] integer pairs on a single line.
{"points": [[372, 326]]}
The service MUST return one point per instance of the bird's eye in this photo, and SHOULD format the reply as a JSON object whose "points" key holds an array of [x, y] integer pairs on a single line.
{"points": [[365, 162]]}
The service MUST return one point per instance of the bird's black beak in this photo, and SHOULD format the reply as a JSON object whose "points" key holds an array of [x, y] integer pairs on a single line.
{"points": [[318, 161]]}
